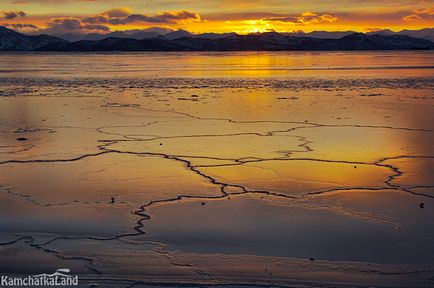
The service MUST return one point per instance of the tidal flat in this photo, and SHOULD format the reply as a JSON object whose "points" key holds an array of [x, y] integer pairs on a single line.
{"points": [[292, 169]]}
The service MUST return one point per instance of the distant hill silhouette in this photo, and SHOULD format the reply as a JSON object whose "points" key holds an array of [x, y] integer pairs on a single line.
{"points": [[139, 34], [185, 41], [426, 33], [14, 41]]}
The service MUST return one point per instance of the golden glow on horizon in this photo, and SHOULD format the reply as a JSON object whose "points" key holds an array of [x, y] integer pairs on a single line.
{"points": [[218, 16]]}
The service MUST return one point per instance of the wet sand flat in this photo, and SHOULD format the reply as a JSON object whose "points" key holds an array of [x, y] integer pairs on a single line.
{"points": [[239, 169]]}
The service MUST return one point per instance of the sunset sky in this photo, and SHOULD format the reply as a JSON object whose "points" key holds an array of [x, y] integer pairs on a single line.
{"points": [[198, 16]]}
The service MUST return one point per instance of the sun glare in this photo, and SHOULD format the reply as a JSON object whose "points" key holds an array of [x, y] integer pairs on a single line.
{"points": [[256, 26]]}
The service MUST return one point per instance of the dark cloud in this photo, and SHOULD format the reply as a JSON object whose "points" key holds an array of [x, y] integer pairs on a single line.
{"points": [[99, 19], [305, 18], [19, 26], [66, 23], [100, 23], [95, 27], [174, 17], [121, 16], [117, 12], [72, 25], [13, 14], [240, 16]]}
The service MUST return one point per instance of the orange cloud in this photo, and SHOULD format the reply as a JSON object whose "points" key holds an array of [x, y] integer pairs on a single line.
{"points": [[123, 16], [223, 16], [20, 26], [373, 29], [305, 18], [420, 14]]}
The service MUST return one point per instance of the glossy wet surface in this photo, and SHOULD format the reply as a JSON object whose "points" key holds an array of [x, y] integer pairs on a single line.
{"points": [[206, 168]]}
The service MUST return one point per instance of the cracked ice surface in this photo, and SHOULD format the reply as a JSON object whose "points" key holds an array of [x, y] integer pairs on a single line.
{"points": [[208, 169]]}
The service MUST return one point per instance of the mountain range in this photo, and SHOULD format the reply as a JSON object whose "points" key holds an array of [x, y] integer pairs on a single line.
{"points": [[146, 34], [14, 41], [427, 33], [184, 41]]}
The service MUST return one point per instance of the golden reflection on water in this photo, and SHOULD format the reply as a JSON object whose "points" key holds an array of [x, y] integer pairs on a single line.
{"points": [[211, 64]]}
